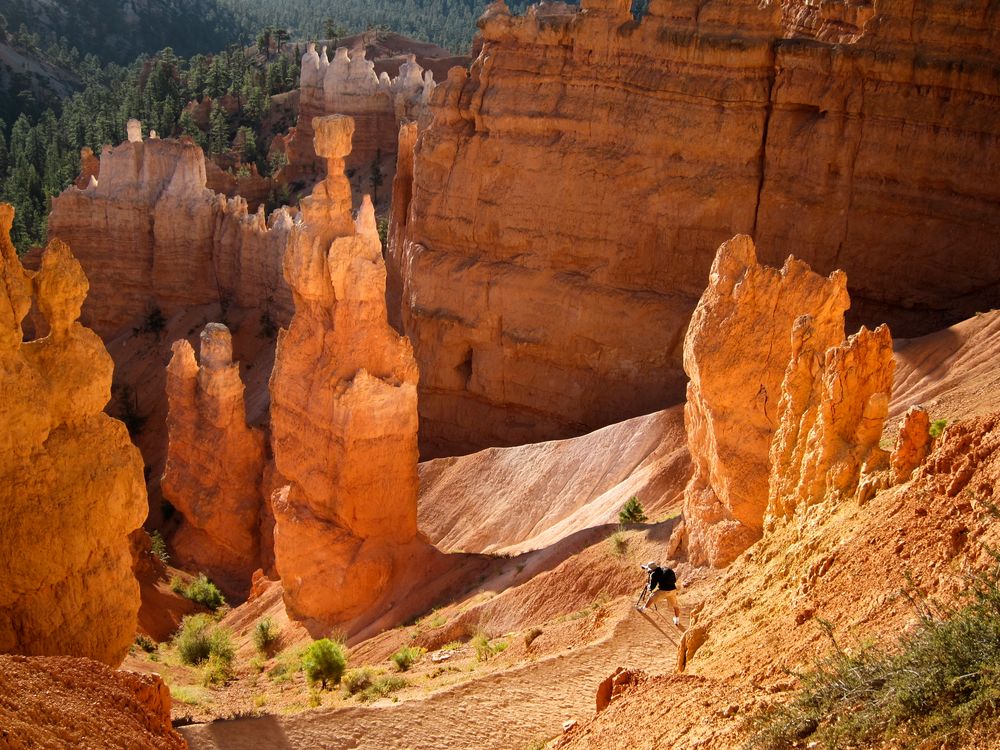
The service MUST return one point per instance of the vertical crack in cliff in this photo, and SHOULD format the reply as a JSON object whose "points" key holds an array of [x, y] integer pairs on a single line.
{"points": [[768, 109]]}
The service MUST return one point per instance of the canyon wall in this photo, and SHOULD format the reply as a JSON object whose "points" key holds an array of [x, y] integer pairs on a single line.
{"points": [[151, 236], [569, 192], [71, 484], [343, 411]]}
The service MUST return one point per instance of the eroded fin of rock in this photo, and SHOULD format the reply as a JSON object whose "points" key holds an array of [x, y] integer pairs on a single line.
{"points": [[736, 351], [833, 407], [71, 482]]}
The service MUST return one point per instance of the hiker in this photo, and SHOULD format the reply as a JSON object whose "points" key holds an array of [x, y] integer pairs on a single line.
{"points": [[661, 583]]}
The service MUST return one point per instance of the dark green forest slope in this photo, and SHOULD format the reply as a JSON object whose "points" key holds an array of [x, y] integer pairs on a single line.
{"points": [[120, 30], [448, 23], [39, 156]]}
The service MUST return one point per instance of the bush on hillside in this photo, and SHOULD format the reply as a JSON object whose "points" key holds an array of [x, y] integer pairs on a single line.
{"points": [[357, 680], [407, 656], [632, 512], [324, 662], [265, 634], [203, 591], [941, 680], [199, 640]]}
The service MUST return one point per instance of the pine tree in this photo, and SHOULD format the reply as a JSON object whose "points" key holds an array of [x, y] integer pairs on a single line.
{"points": [[218, 130], [632, 512]]}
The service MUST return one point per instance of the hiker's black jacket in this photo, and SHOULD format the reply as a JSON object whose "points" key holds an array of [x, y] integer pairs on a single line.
{"points": [[664, 579]]}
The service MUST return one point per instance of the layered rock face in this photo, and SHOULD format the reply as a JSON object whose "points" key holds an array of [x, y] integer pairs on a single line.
{"points": [[150, 235], [343, 408], [215, 463], [834, 402], [71, 484], [579, 179], [736, 351], [349, 85]]}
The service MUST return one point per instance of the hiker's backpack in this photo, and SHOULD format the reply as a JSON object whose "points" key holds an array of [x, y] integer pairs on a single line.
{"points": [[662, 578], [668, 580]]}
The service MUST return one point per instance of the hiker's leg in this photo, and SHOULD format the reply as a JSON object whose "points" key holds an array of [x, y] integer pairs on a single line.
{"points": [[655, 597], [671, 597]]}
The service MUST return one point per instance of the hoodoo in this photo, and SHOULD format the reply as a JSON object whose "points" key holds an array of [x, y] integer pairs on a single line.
{"points": [[215, 462], [71, 484], [343, 408], [737, 349]]}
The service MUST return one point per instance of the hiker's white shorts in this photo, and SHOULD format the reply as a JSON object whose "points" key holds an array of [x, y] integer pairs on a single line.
{"points": [[659, 595]]}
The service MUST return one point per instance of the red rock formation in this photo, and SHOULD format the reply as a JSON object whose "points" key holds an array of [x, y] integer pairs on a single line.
{"points": [[151, 235], [343, 410], [215, 463], [90, 168], [912, 444], [737, 349], [71, 486], [834, 402], [349, 85], [579, 179]]}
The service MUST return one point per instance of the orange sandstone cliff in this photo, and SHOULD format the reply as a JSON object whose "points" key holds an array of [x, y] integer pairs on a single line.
{"points": [[71, 485], [343, 411], [569, 192]]}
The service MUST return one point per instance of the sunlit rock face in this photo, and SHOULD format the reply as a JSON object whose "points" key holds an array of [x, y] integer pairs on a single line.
{"points": [[343, 408], [71, 483], [150, 234], [570, 190], [736, 352], [215, 463]]}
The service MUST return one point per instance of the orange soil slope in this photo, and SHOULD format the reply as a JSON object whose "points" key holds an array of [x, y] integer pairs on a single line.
{"points": [[52, 703], [849, 565], [531, 496]]}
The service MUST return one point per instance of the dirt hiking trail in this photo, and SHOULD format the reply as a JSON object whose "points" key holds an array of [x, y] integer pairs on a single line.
{"points": [[503, 711]]}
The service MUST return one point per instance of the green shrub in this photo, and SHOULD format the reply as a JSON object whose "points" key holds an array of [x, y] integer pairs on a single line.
{"points": [[619, 544], [356, 680], [265, 634], [287, 663], [146, 643], [407, 656], [203, 591], [159, 547], [199, 639], [218, 671], [941, 680], [383, 687], [324, 662], [937, 427], [484, 649], [191, 641], [632, 512], [177, 585]]}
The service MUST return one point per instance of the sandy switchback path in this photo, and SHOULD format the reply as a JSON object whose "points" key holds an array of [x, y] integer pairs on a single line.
{"points": [[506, 710]]}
